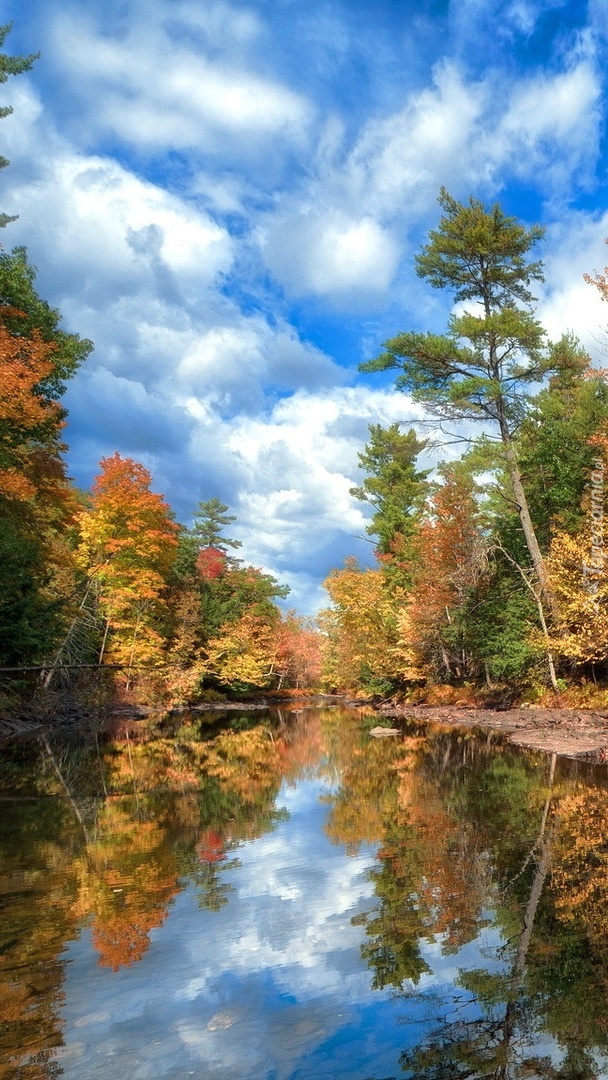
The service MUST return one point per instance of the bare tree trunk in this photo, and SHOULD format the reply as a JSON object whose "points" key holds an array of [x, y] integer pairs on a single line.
{"points": [[134, 639], [103, 644], [523, 510]]}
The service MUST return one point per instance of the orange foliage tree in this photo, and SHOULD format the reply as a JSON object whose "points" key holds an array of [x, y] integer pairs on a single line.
{"points": [[36, 501], [450, 566], [129, 883], [128, 541], [30, 423], [298, 652]]}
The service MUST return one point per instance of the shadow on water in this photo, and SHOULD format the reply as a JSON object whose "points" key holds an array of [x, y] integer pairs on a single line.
{"points": [[279, 895]]}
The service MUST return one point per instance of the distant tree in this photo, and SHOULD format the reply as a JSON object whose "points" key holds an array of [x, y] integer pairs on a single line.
{"points": [[298, 660], [245, 651], [210, 520], [361, 643], [218, 605], [393, 485], [10, 65]]}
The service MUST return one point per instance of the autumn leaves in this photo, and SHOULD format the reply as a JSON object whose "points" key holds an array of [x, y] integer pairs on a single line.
{"points": [[109, 579], [482, 575]]}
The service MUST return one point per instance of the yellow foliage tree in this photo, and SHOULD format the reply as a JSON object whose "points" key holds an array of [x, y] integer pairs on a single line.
{"points": [[580, 626], [127, 544], [577, 568], [244, 651], [580, 875], [362, 645]]}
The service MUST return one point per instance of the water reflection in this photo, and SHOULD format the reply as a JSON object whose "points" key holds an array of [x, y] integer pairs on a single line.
{"points": [[294, 899]]}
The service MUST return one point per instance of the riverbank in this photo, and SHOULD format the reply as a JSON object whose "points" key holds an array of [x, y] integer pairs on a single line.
{"points": [[573, 733], [52, 714]]}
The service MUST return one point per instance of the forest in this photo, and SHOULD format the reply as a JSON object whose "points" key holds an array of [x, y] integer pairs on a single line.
{"points": [[488, 572], [491, 572]]}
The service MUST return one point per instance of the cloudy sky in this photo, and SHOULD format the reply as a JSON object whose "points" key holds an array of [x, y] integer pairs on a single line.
{"points": [[227, 199]]}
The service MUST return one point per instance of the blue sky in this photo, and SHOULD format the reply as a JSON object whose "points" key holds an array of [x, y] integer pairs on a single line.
{"points": [[227, 199]]}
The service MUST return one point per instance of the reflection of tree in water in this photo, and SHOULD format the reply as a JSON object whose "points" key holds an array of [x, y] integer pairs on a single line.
{"points": [[149, 846], [431, 884], [463, 831], [469, 834], [496, 1042], [38, 919], [115, 861]]}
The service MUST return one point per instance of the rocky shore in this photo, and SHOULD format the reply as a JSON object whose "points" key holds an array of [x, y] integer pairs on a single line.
{"points": [[575, 733]]}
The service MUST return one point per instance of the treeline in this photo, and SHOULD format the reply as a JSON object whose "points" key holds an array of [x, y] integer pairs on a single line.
{"points": [[492, 574], [109, 578]]}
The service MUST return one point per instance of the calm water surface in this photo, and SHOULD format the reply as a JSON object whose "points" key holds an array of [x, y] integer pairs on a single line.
{"points": [[295, 899]]}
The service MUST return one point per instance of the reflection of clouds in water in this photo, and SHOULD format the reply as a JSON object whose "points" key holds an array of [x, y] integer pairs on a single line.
{"points": [[270, 982], [487, 950], [297, 895], [251, 1040]]}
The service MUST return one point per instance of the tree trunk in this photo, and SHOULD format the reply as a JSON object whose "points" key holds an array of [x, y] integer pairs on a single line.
{"points": [[523, 511]]}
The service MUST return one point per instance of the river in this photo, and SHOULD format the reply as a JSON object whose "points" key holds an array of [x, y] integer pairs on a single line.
{"points": [[289, 898]]}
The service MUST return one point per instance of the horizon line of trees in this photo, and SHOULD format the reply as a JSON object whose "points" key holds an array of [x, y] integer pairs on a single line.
{"points": [[491, 573]]}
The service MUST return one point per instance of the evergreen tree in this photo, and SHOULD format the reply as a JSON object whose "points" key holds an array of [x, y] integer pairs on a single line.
{"points": [[210, 520], [484, 367], [10, 65], [554, 447], [393, 485]]}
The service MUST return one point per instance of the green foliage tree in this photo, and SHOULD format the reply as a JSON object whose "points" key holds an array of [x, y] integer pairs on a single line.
{"points": [[210, 520], [10, 65], [393, 486], [37, 504], [555, 453], [29, 613]]}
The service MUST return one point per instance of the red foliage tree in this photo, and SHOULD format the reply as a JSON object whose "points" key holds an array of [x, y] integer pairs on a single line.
{"points": [[211, 563]]}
